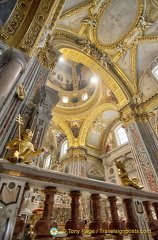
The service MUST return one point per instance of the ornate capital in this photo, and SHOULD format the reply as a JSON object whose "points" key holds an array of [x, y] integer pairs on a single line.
{"points": [[133, 111], [77, 154]]}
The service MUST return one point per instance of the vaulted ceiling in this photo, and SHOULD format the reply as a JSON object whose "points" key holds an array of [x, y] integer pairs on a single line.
{"points": [[114, 40]]}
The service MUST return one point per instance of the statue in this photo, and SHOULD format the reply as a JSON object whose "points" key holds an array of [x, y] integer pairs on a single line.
{"points": [[126, 181], [20, 90], [21, 149]]}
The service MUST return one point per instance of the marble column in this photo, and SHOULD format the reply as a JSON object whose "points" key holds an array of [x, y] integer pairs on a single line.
{"points": [[131, 223], [153, 224], [115, 223], [10, 73], [97, 226], [43, 226], [75, 226], [140, 137], [77, 157]]}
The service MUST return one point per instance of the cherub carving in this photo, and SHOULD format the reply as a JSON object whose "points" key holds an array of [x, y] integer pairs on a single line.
{"points": [[126, 181]]}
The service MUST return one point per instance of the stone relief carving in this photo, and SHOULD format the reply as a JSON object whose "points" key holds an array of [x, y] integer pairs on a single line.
{"points": [[94, 171]]}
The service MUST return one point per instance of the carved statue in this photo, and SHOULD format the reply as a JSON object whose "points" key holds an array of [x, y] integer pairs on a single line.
{"points": [[20, 90], [126, 181], [23, 149], [144, 24], [89, 24]]}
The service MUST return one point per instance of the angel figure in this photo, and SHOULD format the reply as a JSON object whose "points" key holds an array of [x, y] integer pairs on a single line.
{"points": [[126, 181], [22, 149]]}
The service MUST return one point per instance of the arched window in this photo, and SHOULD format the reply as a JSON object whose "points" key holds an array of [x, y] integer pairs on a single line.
{"points": [[121, 135], [64, 148]]}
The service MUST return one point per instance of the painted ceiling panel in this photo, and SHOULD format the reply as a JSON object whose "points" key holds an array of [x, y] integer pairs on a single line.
{"points": [[116, 20]]}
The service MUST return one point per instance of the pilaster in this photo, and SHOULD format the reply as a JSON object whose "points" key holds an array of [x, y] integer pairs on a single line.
{"points": [[143, 143]]}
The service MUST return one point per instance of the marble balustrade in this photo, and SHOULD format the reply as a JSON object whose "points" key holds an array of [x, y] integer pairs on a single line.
{"points": [[139, 223]]}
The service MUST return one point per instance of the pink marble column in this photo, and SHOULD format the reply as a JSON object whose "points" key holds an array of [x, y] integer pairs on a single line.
{"points": [[43, 226], [131, 223], [115, 223], [74, 226], [9, 74], [153, 224], [97, 226]]}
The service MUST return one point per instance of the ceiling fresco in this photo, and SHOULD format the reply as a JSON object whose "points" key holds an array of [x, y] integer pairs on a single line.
{"points": [[71, 76]]}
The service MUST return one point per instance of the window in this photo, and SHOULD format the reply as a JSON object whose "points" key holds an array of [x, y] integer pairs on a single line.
{"points": [[155, 71], [64, 148], [48, 162], [84, 97], [65, 99], [121, 135]]}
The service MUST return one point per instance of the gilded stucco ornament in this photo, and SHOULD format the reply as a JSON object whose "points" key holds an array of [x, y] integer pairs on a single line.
{"points": [[135, 110], [126, 181], [47, 57], [21, 92], [88, 24]]}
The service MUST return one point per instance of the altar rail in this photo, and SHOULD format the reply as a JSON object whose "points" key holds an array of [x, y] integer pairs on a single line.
{"points": [[137, 205]]}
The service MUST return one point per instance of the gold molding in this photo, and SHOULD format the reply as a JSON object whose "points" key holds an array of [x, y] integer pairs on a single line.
{"points": [[49, 10], [10, 32], [125, 80], [67, 130], [25, 34], [134, 68], [148, 39]]}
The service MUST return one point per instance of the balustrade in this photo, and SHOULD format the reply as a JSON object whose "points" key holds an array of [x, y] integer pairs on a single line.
{"points": [[133, 226]]}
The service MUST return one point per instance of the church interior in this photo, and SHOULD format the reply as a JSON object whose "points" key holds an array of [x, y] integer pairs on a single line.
{"points": [[78, 119]]}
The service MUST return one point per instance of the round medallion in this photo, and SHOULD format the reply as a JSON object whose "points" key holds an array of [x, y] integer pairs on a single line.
{"points": [[142, 157]]}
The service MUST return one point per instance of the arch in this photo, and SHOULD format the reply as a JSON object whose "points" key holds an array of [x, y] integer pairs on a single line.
{"points": [[89, 120], [66, 129]]}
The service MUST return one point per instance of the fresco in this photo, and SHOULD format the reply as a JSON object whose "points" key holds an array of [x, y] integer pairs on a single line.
{"points": [[65, 75], [109, 95], [75, 127], [109, 143], [6, 7], [84, 75]]}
